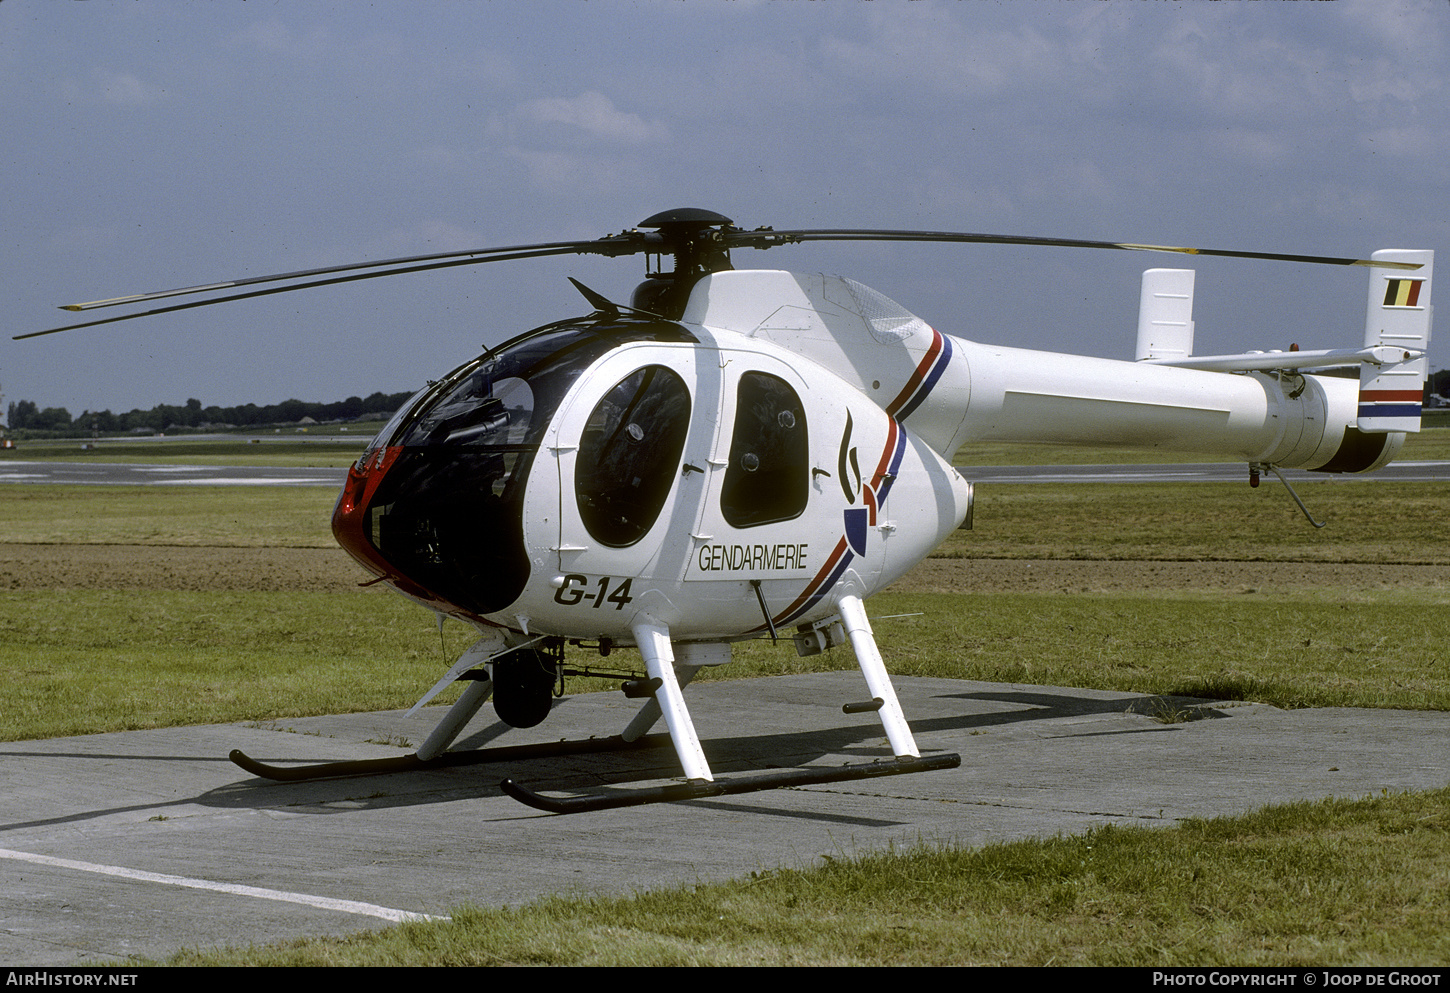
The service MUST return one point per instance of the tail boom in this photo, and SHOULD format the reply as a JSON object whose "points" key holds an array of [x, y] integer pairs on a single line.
{"points": [[1290, 420]]}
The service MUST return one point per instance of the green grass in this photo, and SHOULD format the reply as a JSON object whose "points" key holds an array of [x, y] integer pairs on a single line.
{"points": [[1434, 418], [1368, 521], [215, 516], [292, 449], [90, 661], [1373, 650], [1333, 883], [99, 660]]}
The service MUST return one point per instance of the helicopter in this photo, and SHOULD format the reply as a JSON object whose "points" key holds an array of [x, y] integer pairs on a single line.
{"points": [[748, 453]]}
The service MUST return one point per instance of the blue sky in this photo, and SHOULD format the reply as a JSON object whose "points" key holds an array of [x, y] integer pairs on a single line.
{"points": [[158, 144]]}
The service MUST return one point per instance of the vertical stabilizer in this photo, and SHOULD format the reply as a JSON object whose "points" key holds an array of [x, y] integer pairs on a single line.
{"points": [[1397, 323], [1165, 315]]}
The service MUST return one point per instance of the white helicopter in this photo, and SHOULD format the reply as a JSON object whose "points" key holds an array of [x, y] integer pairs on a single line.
{"points": [[741, 453]]}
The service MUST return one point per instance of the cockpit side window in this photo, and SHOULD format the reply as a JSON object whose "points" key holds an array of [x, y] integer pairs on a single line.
{"points": [[768, 477], [629, 456]]}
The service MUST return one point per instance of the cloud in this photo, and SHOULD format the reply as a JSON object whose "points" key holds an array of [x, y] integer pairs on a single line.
{"points": [[594, 114], [124, 89], [566, 173], [1415, 31], [934, 48]]}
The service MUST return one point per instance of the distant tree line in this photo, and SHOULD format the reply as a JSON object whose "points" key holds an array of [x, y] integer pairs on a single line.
{"points": [[25, 415], [1438, 383]]}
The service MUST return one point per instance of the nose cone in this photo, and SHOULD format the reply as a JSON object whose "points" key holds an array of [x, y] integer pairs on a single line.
{"points": [[350, 519], [430, 523]]}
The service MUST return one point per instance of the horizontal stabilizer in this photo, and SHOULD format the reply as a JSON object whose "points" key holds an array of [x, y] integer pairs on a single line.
{"points": [[1318, 358]]}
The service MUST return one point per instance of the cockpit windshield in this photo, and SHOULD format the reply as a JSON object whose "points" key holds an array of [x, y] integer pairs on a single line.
{"points": [[505, 396], [480, 411]]}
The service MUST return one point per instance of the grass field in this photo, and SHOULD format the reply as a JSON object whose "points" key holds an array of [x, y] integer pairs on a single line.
{"points": [[210, 516], [1354, 638], [1361, 882], [1365, 635]]}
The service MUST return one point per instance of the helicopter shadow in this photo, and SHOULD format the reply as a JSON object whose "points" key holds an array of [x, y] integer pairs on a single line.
{"points": [[1030, 705], [652, 763], [610, 770]]}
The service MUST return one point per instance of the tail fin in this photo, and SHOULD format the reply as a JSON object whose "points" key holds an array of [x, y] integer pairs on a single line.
{"points": [[1165, 315], [1397, 324]]}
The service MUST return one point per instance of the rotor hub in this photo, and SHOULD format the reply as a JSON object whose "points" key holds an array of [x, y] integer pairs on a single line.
{"points": [[695, 237]]}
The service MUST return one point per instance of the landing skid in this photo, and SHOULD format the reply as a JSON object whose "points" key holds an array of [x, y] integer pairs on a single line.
{"points": [[752, 783], [701, 789], [412, 763], [667, 676]]}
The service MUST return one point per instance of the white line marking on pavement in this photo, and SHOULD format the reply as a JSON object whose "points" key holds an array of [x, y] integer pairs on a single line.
{"points": [[322, 902]]}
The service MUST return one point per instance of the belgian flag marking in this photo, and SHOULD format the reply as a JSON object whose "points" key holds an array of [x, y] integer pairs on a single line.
{"points": [[1403, 292]]}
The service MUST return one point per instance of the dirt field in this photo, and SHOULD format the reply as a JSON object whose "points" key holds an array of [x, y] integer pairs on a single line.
{"points": [[38, 567]]}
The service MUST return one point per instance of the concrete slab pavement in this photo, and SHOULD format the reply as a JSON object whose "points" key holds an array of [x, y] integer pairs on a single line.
{"points": [[141, 843]]}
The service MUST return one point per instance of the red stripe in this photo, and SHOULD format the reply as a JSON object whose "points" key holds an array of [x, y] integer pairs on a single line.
{"points": [[869, 498], [1389, 396], [809, 591], [885, 462], [916, 377]]}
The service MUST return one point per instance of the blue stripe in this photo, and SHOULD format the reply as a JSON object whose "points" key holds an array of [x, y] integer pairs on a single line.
{"points": [[943, 359], [1389, 410], [826, 587], [892, 468]]}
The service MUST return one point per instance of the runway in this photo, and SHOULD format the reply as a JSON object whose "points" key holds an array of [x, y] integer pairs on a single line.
{"points": [[145, 474], [141, 843]]}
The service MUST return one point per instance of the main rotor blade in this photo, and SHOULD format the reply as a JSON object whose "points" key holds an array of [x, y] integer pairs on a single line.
{"points": [[509, 251], [766, 238], [633, 242], [563, 248]]}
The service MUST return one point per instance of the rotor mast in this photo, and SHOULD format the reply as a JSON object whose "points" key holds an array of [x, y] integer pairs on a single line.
{"points": [[696, 239]]}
